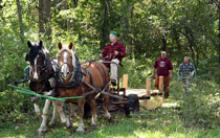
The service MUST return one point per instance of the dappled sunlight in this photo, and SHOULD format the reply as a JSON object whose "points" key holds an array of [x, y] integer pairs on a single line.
{"points": [[160, 123], [145, 27]]}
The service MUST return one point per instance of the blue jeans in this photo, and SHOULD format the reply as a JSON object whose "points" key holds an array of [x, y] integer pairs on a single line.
{"points": [[26, 73]]}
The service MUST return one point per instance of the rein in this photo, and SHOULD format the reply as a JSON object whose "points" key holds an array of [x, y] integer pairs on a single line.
{"points": [[33, 93], [47, 70]]}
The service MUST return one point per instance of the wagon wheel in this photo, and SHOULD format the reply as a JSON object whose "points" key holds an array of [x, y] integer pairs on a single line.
{"points": [[133, 103]]}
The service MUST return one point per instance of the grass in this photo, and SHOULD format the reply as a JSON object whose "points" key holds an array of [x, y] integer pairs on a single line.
{"points": [[160, 123]]}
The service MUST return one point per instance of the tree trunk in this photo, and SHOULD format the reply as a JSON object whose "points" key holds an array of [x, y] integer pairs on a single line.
{"points": [[67, 22], [131, 48], [41, 17], [164, 42], [21, 26], [1, 5], [125, 20], [105, 22], [192, 45], [44, 18], [218, 32], [75, 3]]}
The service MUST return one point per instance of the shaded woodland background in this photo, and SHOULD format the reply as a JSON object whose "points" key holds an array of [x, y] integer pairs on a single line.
{"points": [[181, 27], [145, 26]]}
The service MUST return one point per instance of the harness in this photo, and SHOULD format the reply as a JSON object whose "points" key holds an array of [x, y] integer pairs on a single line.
{"points": [[49, 72], [75, 80]]}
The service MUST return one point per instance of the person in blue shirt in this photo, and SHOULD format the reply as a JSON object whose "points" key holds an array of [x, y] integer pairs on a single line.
{"points": [[186, 73]]}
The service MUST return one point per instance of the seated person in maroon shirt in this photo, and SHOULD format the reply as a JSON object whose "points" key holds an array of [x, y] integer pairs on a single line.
{"points": [[163, 67], [113, 53]]}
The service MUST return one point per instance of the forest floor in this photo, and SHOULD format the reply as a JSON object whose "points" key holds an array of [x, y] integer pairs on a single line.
{"points": [[163, 122]]}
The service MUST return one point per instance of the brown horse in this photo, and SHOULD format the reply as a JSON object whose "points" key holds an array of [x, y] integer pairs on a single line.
{"points": [[76, 80]]}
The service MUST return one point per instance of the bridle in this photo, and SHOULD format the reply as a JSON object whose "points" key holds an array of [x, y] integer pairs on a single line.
{"points": [[43, 68], [69, 72]]}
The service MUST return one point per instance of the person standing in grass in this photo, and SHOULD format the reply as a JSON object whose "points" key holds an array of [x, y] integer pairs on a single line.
{"points": [[113, 52], [163, 67], [186, 73]]}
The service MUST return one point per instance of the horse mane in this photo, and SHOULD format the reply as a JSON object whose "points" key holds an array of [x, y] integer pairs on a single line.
{"points": [[45, 51], [34, 52]]}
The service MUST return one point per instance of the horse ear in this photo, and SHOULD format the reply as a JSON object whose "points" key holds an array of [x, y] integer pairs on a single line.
{"points": [[26, 57], [71, 46], [41, 43], [60, 45], [29, 44]]}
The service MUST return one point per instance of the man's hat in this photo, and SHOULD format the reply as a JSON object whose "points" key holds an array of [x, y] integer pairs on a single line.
{"points": [[163, 52], [114, 33]]}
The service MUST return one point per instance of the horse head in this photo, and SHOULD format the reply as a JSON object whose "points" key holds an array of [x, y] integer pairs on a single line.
{"points": [[66, 61], [36, 57]]}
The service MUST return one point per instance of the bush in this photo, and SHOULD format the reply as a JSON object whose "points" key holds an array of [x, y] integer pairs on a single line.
{"points": [[201, 107], [137, 70], [13, 107]]}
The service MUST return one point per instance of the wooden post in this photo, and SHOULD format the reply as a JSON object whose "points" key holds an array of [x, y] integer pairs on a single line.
{"points": [[148, 86], [161, 84], [125, 81]]}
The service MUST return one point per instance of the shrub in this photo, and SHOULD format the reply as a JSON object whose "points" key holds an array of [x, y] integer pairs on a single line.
{"points": [[201, 106], [13, 107]]}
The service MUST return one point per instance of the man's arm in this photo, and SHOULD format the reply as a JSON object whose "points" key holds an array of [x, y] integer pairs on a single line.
{"points": [[155, 70], [170, 69], [171, 73], [122, 51], [104, 52], [180, 70], [193, 73]]}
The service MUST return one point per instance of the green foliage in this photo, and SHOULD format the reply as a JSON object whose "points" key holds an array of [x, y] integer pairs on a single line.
{"points": [[137, 71], [13, 108], [200, 107], [188, 27], [151, 124]]}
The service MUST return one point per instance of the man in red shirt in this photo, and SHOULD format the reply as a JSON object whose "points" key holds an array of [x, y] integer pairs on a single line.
{"points": [[163, 67], [113, 52]]}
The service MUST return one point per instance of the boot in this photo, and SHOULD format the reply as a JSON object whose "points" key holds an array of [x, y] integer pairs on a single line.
{"points": [[114, 82], [166, 95]]}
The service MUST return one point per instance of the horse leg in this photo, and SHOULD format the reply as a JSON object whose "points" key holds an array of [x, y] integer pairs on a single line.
{"points": [[81, 127], [94, 115], [63, 118], [36, 106], [43, 127], [105, 107], [68, 120], [53, 119], [72, 110], [37, 109]]}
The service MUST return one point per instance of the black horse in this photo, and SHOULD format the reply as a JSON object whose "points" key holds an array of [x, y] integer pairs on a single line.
{"points": [[42, 74], [40, 71]]}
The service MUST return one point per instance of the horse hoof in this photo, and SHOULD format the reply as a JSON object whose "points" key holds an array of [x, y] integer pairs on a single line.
{"points": [[52, 124], [80, 130], [111, 120], [38, 114], [94, 126], [69, 126], [41, 132]]}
